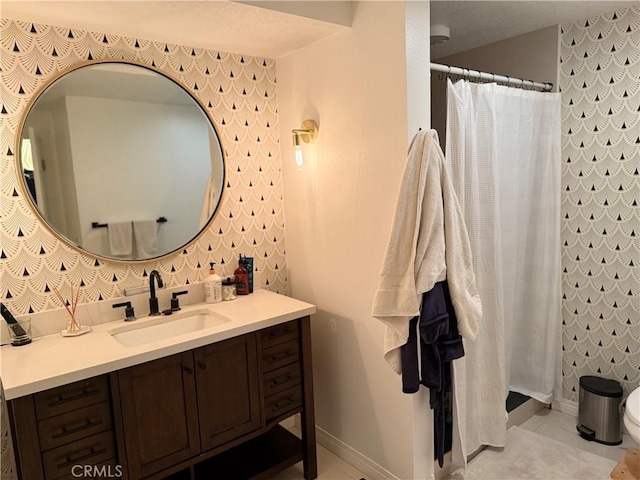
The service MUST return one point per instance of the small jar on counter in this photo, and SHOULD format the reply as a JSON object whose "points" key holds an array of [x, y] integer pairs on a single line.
{"points": [[229, 289]]}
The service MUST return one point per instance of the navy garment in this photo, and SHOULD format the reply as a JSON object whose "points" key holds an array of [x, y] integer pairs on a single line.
{"points": [[440, 343]]}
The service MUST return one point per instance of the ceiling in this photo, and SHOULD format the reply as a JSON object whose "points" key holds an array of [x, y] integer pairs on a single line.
{"points": [[274, 28], [476, 23], [215, 24]]}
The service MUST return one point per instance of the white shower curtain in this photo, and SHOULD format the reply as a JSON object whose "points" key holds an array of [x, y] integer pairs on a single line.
{"points": [[503, 153]]}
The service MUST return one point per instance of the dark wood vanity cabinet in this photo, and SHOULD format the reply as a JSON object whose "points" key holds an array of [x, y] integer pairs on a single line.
{"points": [[176, 407], [227, 390], [212, 412], [56, 433], [159, 414]]}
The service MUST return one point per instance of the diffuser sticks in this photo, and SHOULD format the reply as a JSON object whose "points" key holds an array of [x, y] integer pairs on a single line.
{"points": [[73, 327]]}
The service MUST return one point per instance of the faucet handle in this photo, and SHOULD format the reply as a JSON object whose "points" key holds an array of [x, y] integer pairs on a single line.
{"points": [[129, 314], [175, 304]]}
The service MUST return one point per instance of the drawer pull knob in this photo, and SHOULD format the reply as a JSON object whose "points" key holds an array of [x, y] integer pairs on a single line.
{"points": [[202, 365], [62, 399], [287, 401], [187, 369], [282, 356], [68, 431], [74, 460], [278, 333], [280, 380]]}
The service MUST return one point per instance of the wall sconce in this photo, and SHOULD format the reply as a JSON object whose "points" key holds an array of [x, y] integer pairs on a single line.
{"points": [[308, 133]]}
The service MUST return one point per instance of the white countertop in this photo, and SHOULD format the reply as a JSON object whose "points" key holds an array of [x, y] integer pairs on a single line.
{"points": [[53, 360]]}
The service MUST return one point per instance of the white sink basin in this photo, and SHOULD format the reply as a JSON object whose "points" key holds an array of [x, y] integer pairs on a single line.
{"points": [[166, 326]]}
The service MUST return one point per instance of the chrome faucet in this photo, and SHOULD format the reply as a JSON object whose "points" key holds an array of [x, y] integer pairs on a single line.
{"points": [[153, 300]]}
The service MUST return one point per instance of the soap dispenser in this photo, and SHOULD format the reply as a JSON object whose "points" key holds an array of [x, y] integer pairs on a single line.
{"points": [[213, 286]]}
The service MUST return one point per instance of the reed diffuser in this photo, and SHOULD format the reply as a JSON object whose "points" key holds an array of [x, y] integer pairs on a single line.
{"points": [[74, 328]]}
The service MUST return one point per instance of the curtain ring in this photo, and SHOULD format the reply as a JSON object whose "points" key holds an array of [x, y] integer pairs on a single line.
{"points": [[441, 76]]}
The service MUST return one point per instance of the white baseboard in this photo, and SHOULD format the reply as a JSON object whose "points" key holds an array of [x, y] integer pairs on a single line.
{"points": [[566, 406], [368, 467], [524, 412]]}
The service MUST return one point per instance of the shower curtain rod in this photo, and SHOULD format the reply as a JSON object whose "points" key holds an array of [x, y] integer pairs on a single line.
{"points": [[466, 72]]}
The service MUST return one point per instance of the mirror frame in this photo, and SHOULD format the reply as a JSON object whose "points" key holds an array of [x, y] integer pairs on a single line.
{"points": [[24, 190]]}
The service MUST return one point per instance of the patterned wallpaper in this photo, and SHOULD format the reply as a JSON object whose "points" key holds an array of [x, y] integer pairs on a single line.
{"points": [[239, 93], [600, 83]]}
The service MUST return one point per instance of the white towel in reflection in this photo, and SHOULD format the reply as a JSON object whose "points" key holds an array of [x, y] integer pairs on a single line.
{"points": [[120, 238], [146, 234]]}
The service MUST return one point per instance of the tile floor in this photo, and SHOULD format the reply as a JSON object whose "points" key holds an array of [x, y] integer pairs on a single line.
{"points": [[549, 423], [562, 427]]}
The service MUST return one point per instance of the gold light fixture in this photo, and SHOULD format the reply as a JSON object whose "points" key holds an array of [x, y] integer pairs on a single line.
{"points": [[308, 133]]}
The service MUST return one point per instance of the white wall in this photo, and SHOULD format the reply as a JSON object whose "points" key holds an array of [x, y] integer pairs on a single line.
{"points": [[65, 187], [139, 164], [338, 213]]}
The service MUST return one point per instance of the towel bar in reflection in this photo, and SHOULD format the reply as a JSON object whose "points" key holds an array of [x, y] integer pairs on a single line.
{"points": [[105, 225]]}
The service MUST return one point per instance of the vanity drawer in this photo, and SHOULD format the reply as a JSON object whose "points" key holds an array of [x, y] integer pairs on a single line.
{"points": [[93, 450], [280, 355], [281, 379], [71, 426], [283, 402], [71, 397], [279, 333]]}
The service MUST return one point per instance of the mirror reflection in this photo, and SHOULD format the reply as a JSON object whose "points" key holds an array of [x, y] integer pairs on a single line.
{"points": [[121, 161]]}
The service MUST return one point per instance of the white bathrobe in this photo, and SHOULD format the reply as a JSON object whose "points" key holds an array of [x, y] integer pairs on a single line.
{"points": [[428, 243]]}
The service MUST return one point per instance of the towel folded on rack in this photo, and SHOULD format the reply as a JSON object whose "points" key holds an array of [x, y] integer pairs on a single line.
{"points": [[146, 234], [120, 238]]}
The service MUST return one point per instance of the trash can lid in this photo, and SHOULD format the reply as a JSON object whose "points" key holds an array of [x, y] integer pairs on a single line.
{"points": [[601, 386]]}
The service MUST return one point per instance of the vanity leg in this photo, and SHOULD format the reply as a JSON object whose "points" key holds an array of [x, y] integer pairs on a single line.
{"points": [[308, 422], [118, 426], [26, 443]]}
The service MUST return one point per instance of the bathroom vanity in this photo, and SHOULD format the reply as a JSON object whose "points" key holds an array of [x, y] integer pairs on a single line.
{"points": [[198, 405]]}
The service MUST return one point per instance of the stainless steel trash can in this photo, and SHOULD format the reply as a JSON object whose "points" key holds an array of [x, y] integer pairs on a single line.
{"points": [[599, 410]]}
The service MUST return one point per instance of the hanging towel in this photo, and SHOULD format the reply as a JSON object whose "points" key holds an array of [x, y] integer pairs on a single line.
{"points": [[120, 238], [427, 219], [146, 234]]}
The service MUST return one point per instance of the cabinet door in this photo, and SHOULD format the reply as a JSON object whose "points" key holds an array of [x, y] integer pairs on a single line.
{"points": [[159, 414], [227, 386]]}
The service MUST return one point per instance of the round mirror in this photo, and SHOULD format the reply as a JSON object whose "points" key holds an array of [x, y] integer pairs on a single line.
{"points": [[121, 162]]}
